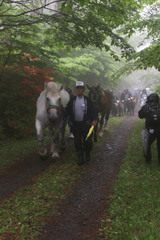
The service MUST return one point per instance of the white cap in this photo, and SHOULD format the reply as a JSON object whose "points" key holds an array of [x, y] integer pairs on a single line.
{"points": [[79, 84]]}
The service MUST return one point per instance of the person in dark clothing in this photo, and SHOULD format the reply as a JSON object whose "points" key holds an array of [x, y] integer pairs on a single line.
{"points": [[151, 112], [69, 90], [83, 115], [125, 95]]}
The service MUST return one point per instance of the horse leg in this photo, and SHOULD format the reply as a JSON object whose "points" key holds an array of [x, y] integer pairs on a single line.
{"points": [[101, 125], [42, 149], [125, 107], [54, 138], [106, 122], [63, 129], [95, 132]]}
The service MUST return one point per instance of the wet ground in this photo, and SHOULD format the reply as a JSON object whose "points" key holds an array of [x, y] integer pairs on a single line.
{"points": [[79, 216]]}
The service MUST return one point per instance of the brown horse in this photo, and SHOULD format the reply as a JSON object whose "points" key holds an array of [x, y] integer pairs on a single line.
{"points": [[102, 100]]}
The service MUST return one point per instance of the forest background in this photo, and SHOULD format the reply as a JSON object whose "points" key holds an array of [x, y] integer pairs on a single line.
{"points": [[111, 43]]}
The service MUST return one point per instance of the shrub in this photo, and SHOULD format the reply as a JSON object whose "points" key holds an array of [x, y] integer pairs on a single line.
{"points": [[20, 87]]}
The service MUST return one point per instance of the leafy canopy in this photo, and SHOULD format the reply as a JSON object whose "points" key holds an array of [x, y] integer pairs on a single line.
{"points": [[73, 23]]}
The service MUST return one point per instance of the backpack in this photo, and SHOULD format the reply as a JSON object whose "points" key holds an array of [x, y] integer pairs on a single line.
{"points": [[153, 115]]}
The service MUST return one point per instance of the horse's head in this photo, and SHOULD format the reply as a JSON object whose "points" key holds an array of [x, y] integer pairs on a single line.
{"points": [[53, 100], [93, 93]]}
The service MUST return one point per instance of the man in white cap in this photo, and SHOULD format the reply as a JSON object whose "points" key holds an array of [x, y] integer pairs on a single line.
{"points": [[83, 115]]}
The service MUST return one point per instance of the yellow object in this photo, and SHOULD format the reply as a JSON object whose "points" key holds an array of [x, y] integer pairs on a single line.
{"points": [[90, 131]]}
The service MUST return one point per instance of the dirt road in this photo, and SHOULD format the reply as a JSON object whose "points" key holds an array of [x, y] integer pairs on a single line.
{"points": [[79, 215]]}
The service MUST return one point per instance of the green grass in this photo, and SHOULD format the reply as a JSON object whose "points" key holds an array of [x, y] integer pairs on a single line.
{"points": [[12, 150], [23, 215], [134, 213]]}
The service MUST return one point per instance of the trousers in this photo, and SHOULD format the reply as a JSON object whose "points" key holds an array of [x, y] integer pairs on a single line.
{"points": [[152, 137], [80, 131]]}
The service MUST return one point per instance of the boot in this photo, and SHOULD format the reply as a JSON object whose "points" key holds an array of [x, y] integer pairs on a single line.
{"points": [[148, 159], [88, 157], [80, 159]]}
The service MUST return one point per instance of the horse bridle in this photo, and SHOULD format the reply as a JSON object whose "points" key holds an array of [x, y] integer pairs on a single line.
{"points": [[52, 106], [61, 109], [95, 99]]}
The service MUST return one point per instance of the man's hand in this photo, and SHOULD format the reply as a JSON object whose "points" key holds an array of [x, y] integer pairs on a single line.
{"points": [[94, 123]]}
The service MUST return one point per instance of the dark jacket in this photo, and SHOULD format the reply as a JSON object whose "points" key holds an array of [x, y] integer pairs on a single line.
{"points": [[145, 112], [90, 112]]}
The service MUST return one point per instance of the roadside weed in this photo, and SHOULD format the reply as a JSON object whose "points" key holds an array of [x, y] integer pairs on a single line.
{"points": [[135, 205], [13, 150]]}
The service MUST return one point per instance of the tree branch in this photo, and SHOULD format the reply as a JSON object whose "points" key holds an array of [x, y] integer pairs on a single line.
{"points": [[1, 3], [30, 11]]}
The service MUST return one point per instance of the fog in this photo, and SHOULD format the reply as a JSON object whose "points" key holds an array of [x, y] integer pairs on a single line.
{"points": [[140, 79]]}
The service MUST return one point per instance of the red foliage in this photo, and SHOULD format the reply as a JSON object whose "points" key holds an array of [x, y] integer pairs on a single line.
{"points": [[24, 84]]}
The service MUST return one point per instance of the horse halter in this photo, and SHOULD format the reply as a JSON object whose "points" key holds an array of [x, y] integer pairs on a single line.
{"points": [[94, 97], [94, 100], [52, 106]]}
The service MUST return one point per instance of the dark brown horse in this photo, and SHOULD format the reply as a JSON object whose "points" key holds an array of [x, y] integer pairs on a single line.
{"points": [[102, 100]]}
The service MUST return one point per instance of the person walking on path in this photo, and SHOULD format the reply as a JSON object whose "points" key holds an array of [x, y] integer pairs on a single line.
{"points": [[151, 112], [83, 115], [69, 90]]}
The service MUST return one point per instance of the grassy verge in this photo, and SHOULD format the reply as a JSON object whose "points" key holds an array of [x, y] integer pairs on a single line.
{"points": [[23, 215], [13, 151], [134, 213]]}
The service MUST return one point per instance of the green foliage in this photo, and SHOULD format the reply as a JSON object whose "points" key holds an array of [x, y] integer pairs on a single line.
{"points": [[149, 57], [48, 30], [134, 211], [91, 65], [157, 88], [70, 24], [146, 37], [28, 40]]}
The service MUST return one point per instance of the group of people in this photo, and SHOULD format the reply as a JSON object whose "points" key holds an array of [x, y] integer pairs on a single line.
{"points": [[82, 115], [123, 103]]}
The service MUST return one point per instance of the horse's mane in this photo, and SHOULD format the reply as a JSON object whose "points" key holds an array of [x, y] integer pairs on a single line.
{"points": [[104, 92]]}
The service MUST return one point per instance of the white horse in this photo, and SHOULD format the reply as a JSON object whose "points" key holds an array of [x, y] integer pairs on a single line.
{"points": [[50, 113]]}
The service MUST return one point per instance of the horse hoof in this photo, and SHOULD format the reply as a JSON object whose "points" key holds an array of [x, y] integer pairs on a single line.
{"points": [[55, 156], [44, 158], [100, 134], [62, 147], [106, 129], [44, 155]]}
